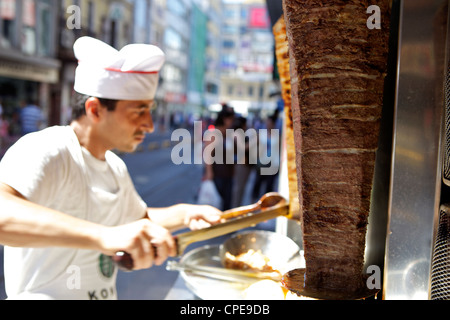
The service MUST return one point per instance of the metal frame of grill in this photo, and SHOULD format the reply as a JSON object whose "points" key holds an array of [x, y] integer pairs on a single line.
{"points": [[440, 272]]}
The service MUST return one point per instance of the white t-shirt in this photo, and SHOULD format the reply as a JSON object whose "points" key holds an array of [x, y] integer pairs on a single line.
{"points": [[52, 169]]}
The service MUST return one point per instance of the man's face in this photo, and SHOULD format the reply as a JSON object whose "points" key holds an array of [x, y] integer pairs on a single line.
{"points": [[125, 127]]}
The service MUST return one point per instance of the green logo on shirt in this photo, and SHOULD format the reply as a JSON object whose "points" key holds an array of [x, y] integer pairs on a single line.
{"points": [[106, 266]]}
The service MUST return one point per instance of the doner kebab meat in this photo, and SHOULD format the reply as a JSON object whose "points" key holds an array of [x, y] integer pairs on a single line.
{"points": [[282, 55], [337, 70]]}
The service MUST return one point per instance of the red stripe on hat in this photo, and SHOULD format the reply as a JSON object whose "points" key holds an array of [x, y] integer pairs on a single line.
{"points": [[131, 71]]}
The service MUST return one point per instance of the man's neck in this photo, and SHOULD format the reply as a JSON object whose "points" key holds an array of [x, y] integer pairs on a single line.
{"points": [[87, 139]]}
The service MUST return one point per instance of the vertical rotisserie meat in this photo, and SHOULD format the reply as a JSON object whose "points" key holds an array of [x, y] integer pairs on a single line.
{"points": [[282, 55], [337, 67]]}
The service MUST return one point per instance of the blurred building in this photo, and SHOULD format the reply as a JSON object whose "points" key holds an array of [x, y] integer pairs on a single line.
{"points": [[197, 62], [189, 33], [28, 55], [247, 59], [213, 9], [215, 51], [176, 47], [149, 25], [142, 21]]}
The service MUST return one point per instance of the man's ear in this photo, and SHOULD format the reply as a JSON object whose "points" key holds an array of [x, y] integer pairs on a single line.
{"points": [[93, 108]]}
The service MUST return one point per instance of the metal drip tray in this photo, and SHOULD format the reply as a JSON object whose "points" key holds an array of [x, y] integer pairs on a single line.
{"points": [[207, 288], [285, 254]]}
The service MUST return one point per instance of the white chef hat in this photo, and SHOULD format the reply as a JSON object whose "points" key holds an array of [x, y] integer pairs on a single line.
{"points": [[128, 74]]}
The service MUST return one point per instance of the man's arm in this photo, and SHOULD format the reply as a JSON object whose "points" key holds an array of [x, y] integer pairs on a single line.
{"points": [[26, 224], [185, 216]]}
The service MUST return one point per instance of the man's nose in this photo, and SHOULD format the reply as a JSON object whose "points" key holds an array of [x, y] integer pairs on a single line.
{"points": [[148, 123]]}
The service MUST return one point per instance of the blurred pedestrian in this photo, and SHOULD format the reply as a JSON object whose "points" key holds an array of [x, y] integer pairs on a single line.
{"points": [[4, 134], [222, 171], [31, 118], [243, 167], [266, 182]]}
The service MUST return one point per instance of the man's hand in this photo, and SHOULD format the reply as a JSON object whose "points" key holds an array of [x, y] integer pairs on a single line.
{"points": [[201, 216], [148, 243]]}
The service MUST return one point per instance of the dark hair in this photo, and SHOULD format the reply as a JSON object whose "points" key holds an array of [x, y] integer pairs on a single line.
{"points": [[240, 122], [79, 102], [226, 112]]}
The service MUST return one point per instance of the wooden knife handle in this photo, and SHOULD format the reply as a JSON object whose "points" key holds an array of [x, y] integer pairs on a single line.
{"points": [[124, 261]]}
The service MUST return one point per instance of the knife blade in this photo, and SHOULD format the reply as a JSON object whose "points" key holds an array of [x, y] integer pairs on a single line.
{"points": [[224, 274]]}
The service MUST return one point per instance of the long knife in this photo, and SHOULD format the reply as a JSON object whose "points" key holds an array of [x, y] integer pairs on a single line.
{"points": [[224, 274], [125, 262]]}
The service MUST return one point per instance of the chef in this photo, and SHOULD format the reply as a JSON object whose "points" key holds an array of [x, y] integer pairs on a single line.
{"points": [[67, 201]]}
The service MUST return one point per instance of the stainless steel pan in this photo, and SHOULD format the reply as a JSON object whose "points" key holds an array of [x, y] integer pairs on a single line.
{"points": [[282, 252], [204, 274]]}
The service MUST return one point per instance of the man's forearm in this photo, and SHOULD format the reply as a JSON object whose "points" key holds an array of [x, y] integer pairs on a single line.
{"points": [[26, 224], [185, 216], [171, 218]]}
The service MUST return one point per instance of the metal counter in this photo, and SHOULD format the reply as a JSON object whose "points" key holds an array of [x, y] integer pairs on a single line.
{"points": [[179, 291]]}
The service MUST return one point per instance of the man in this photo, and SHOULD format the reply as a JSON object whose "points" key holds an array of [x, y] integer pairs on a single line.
{"points": [[222, 171], [31, 118], [68, 202]]}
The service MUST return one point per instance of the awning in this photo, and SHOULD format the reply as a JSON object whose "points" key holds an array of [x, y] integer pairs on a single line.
{"points": [[14, 64]]}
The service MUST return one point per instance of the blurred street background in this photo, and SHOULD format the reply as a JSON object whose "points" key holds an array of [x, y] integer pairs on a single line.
{"points": [[217, 51]]}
